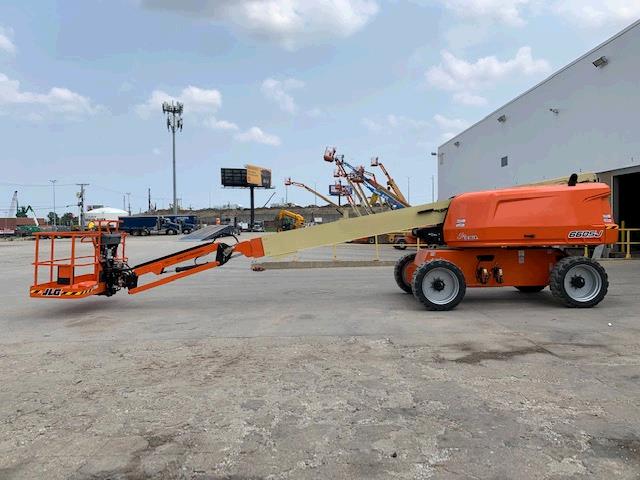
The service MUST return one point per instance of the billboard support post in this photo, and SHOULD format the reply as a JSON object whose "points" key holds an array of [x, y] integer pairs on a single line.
{"points": [[253, 207]]}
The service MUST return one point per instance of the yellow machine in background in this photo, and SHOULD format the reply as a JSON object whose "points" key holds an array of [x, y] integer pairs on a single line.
{"points": [[286, 220]]}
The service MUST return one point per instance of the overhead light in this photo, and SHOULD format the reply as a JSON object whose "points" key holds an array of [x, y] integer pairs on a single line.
{"points": [[502, 118], [456, 143], [600, 62]]}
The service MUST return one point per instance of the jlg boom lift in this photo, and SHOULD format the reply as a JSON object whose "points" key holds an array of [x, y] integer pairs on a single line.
{"points": [[510, 237]]}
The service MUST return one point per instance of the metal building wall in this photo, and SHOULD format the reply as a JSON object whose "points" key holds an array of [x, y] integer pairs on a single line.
{"points": [[596, 127]]}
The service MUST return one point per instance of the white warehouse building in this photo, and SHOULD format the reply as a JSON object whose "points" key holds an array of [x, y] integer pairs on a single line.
{"points": [[583, 118]]}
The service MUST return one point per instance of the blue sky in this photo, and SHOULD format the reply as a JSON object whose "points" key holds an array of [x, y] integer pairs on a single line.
{"points": [[267, 82]]}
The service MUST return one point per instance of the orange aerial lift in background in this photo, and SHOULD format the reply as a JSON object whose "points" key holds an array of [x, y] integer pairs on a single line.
{"points": [[509, 237]]}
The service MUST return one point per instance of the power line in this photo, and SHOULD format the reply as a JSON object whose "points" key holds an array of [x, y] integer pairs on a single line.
{"points": [[9, 184]]}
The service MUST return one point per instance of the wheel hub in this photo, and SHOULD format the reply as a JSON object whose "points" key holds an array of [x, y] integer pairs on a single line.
{"points": [[577, 281], [438, 285]]}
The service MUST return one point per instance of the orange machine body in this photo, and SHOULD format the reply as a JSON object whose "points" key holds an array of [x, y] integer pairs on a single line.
{"points": [[510, 237], [531, 216], [494, 267]]}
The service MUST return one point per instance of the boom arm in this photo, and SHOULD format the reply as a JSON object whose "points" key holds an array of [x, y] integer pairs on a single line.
{"points": [[302, 185], [288, 242]]}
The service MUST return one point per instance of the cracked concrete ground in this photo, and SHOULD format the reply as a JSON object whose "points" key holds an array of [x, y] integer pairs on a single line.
{"points": [[306, 374]]}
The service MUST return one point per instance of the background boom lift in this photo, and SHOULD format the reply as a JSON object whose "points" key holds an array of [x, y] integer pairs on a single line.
{"points": [[508, 237]]}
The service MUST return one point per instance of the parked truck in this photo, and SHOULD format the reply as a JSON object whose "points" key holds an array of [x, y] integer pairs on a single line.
{"points": [[149, 224], [188, 223]]}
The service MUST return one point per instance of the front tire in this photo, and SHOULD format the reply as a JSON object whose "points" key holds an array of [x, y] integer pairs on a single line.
{"points": [[439, 285], [579, 282], [400, 269], [400, 245]]}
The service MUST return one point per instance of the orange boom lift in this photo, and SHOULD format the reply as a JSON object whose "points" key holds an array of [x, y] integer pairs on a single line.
{"points": [[510, 237]]}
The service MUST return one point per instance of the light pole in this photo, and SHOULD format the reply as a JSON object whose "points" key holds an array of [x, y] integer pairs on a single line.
{"points": [[129, 202], [53, 185], [174, 122]]}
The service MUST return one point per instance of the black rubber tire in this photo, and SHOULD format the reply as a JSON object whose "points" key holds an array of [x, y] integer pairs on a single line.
{"points": [[186, 231], [423, 270], [398, 271], [171, 231], [559, 272], [371, 240], [400, 245], [531, 288], [144, 232], [135, 233]]}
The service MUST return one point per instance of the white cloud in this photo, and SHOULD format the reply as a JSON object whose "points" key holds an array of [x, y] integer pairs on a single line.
{"points": [[57, 100], [156, 151], [215, 124], [195, 99], [255, 134], [450, 123], [596, 13], [469, 99], [508, 12], [392, 121], [465, 78], [446, 136], [278, 91], [289, 23], [372, 125], [6, 43], [457, 74]]}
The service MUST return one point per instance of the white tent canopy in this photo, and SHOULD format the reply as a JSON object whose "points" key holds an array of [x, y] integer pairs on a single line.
{"points": [[105, 213]]}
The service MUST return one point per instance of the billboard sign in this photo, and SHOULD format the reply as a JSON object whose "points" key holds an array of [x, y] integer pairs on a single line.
{"points": [[337, 190], [252, 176], [258, 176], [233, 177]]}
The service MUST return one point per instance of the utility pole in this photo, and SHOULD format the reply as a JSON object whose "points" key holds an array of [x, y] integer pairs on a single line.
{"points": [[81, 203], [174, 122], [149, 198], [53, 184], [129, 202], [124, 202]]}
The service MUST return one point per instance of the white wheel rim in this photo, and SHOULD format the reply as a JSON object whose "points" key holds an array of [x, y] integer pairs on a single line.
{"points": [[440, 286], [582, 283]]}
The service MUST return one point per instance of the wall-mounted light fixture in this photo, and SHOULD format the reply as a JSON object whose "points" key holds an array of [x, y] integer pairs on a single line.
{"points": [[502, 118], [456, 143], [600, 62], [555, 111]]}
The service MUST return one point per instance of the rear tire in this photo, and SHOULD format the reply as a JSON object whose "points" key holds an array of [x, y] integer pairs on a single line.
{"points": [[371, 240], [531, 288], [579, 282], [439, 285], [399, 271], [144, 233]]}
